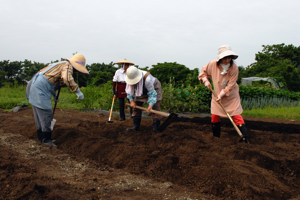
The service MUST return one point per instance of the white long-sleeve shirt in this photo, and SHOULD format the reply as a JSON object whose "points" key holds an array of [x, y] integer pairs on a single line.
{"points": [[119, 76]]}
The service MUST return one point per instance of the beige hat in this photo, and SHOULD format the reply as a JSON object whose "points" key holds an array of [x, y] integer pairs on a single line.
{"points": [[225, 50], [133, 75], [78, 62], [125, 61]]}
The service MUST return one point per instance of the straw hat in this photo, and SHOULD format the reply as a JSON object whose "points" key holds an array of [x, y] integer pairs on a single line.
{"points": [[78, 62], [225, 50], [133, 75], [125, 61]]}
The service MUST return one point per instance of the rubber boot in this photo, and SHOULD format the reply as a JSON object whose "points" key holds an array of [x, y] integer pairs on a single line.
{"points": [[47, 139], [39, 134], [136, 124], [156, 123], [244, 137], [216, 128]]}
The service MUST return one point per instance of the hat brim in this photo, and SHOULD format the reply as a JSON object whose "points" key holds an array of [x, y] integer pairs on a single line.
{"points": [[227, 53], [79, 67], [124, 62], [135, 80]]}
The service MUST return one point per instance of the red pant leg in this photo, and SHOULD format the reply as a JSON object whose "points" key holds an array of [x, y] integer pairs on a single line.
{"points": [[215, 118], [238, 120]]}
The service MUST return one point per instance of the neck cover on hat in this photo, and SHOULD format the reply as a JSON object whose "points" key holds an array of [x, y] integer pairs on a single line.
{"points": [[225, 68], [139, 88]]}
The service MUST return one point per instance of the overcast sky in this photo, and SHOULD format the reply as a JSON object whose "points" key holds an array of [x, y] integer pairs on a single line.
{"points": [[145, 32]]}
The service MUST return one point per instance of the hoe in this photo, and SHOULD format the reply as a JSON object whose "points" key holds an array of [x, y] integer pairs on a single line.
{"points": [[171, 117]]}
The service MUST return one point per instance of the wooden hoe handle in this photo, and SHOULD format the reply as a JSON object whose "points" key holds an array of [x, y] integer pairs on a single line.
{"points": [[153, 111], [236, 128], [111, 109]]}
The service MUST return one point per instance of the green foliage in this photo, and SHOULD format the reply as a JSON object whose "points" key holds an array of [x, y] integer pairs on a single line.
{"points": [[175, 99], [185, 99], [91, 97], [100, 73], [18, 71], [279, 61], [95, 97], [248, 92], [263, 102], [165, 71]]}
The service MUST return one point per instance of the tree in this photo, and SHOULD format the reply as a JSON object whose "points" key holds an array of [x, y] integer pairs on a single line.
{"points": [[279, 61], [166, 71], [100, 73]]}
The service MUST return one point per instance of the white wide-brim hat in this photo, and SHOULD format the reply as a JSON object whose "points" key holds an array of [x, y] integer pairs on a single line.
{"points": [[124, 62], [225, 50], [133, 75], [78, 62]]}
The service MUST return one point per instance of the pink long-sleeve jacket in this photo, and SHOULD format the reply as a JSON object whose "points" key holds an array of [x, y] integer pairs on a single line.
{"points": [[231, 101]]}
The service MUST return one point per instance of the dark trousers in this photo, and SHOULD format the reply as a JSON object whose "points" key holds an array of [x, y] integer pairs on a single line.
{"points": [[138, 112], [122, 108]]}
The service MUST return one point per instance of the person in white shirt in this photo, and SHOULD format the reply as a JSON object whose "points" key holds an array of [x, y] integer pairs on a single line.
{"points": [[119, 85]]}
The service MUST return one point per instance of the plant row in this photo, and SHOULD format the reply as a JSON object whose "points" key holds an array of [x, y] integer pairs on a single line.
{"points": [[178, 98]]}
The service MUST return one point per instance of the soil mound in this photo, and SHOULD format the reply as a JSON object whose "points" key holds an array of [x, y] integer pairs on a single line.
{"points": [[185, 156]]}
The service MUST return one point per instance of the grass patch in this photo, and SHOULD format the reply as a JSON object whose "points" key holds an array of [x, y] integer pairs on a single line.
{"points": [[94, 98], [291, 113], [100, 97]]}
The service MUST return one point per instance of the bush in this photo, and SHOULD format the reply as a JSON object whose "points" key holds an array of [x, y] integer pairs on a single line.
{"points": [[248, 92], [185, 99]]}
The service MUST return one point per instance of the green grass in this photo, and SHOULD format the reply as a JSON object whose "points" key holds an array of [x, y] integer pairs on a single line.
{"points": [[95, 98], [11, 97], [101, 98], [291, 113]]}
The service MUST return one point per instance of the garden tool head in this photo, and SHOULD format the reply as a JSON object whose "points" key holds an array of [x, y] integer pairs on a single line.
{"points": [[171, 118]]}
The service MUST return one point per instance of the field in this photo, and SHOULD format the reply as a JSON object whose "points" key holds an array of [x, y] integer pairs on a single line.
{"points": [[100, 160]]}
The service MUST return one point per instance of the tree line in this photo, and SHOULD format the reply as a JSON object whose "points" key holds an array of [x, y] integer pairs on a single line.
{"points": [[279, 61]]}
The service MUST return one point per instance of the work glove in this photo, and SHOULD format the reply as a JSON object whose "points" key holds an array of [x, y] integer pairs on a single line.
{"points": [[79, 94], [206, 82], [132, 104], [221, 95], [114, 91]]}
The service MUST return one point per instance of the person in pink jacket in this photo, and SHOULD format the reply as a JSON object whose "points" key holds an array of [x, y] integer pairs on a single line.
{"points": [[224, 73]]}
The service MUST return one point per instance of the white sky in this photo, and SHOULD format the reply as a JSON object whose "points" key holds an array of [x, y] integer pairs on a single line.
{"points": [[145, 32]]}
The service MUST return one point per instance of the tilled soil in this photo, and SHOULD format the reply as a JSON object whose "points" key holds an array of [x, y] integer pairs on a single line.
{"points": [[100, 160]]}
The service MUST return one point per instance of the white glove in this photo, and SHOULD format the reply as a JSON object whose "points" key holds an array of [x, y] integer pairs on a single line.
{"points": [[221, 95], [79, 94], [206, 82]]}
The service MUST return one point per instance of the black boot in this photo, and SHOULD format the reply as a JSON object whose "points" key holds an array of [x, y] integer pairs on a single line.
{"points": [[156, 123], [47, 139], [136, 124], [244, 137], [39, 134], [216, 128]]}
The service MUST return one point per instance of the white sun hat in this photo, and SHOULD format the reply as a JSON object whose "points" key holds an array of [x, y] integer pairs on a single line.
{"points": [[225, 50], [78, 62], [133, 75]]}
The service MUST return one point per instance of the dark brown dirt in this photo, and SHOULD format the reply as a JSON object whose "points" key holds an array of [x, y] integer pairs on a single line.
{"points": [[100, 160]]}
